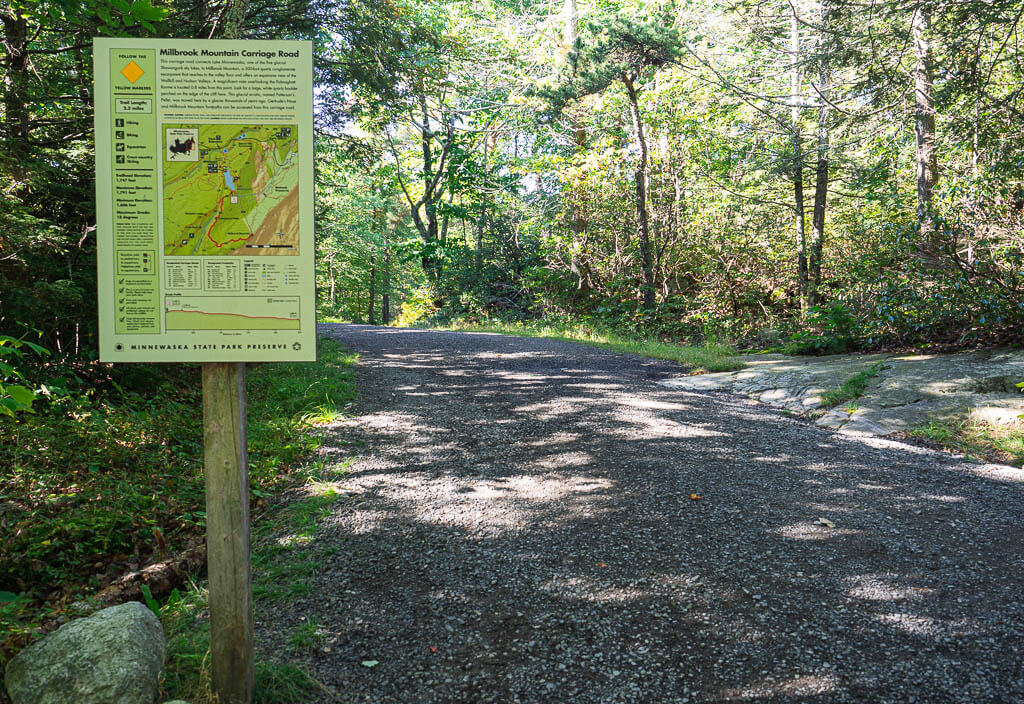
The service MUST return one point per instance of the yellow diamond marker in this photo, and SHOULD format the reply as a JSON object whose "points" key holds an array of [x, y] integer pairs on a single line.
{"points": [[132, 72]]}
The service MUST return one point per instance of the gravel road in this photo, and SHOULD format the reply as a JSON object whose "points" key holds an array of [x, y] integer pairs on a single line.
{"points": [[521, 529]]}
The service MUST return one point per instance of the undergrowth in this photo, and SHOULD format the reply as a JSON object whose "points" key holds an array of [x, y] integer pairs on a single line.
{"points": [[108, 476], [283, 564], [976, 439], [708, 357]]}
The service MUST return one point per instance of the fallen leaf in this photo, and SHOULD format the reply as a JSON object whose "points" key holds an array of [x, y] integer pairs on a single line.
{"points": [[825, 522], [370, 663], [601, 564]]}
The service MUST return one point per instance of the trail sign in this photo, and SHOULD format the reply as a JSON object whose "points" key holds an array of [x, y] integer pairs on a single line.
{"points": [[204, 200], [204, 196]]}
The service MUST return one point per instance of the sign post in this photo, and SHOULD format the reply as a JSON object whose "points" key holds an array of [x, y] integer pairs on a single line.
{"points": [[204, 199], [225, 459]]}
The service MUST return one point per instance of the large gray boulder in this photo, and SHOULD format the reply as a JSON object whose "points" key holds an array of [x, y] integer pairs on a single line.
{"points": [[111, 657]]}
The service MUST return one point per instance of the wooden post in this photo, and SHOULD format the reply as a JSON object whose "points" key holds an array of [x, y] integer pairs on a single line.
{"points": [[225, 456]]}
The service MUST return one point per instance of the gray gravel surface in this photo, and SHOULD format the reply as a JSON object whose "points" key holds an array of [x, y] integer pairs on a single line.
{"points": [[520, 528]]}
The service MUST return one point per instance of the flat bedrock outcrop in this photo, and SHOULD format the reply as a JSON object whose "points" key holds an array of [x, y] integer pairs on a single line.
{"points": [[908, 391]]}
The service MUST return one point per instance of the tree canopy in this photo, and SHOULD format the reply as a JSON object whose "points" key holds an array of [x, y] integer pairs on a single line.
{"points": [[841, 174]]}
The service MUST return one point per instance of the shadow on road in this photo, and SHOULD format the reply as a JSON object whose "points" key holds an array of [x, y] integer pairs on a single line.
{"points": [[522, 529]]}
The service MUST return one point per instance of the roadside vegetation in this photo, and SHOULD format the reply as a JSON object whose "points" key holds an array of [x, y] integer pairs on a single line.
{"points": [[104, 473], [282, 568], [706, 357], [975, 439]]}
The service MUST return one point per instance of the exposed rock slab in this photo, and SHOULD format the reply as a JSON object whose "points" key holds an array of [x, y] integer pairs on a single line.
{"points": [[908, 391], [111, 657]]}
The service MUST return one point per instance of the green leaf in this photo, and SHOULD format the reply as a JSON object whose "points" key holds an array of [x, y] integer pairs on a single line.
{"points": [[150, 601], [104, 14], [144, 11], [38, 349], [21, 395]]}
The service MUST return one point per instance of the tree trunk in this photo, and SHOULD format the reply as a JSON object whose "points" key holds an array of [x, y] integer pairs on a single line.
{"points": [[371, 313], [577, 211], [331, 274], [821, 171], [429, 206], [385, 305], [15, 79], [644, 230], [478, 264], [924, 127], [796, 141]]}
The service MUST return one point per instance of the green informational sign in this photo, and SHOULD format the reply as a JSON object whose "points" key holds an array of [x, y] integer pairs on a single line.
{"points": [[204, 199]]}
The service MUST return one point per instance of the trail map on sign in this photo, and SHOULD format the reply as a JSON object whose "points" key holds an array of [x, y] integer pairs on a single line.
{"points": [[230, 189]]}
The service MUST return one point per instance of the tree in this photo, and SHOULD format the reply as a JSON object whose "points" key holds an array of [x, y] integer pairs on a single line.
{"points": [[625, 49]]}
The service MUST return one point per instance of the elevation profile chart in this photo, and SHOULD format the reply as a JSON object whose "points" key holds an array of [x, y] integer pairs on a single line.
{"points": [[232, 313]]}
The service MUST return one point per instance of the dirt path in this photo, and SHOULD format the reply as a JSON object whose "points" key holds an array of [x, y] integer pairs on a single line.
{"points": [[522, 531]]}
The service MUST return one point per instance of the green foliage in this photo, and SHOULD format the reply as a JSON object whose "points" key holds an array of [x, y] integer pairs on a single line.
{"points": [[87, 479], [709, 357], [306, 635], [147, 595], [850, 389], [15, 397], [282, 683], [186, 674], [975, 439], [829, 329]]}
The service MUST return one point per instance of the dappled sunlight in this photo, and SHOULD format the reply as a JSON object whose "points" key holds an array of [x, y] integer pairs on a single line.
{"points": [[560, 438], [913, 624], [650, 404], [811, 530], [658, 427], [565, 459], [607, 386], [802, 685], [548, 409], [883, 587], [534, 518], [593, 590], [999, 473]]}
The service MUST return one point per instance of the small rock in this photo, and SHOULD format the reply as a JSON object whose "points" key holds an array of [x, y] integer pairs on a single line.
{"points": [[111, 657]]}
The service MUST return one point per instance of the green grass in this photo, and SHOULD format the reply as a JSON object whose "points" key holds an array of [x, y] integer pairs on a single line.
{"points": [[282, 569], [186, 673], [709, 357], [852, 388], [306, 635], [976, 440], [96, 479]]}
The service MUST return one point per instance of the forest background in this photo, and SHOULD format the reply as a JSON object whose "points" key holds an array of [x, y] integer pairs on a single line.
{"points": [[825, 174]]}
